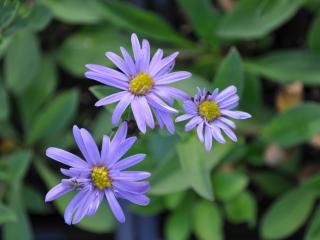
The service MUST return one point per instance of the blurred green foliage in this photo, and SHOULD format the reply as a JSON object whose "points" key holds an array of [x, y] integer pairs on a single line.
{"points": [[44, 45]]}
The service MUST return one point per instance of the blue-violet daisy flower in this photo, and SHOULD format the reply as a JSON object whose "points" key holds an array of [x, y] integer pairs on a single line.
{"points": [[99, 175], [143, 83], [211, 113]]}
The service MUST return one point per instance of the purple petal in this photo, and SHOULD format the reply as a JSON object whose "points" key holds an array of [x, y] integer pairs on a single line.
{"points": [[120, 135], [156, 102], [57, 191], [144, 65], [138, 115], [91, 146], [147, 112], [111, 98], [118, 61], [105, 149], [129, 161], [76, 172], [122, 149], [200, 132], [132, 187], [230, 103], [216, 133], [95, 203], [109, 81], [115, 206], [207, 138], [236, 114], [192, 123], [129, 175], [78, 138], [227, 130], [190, 107], [155, 59], [227, 122], [163, 63], [184, 117], [171, 91], [83, 207], [65, 157], [107, 72], [138, 199], [120, 108], [172, 77], [136, 47], [128, 61], [228, 92], [164, 118]]}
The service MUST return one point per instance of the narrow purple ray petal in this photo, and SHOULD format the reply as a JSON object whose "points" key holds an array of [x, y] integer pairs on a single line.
{"points": [[172, 77], [76, 172], [228, 92], [227, 130], [138, 199], [136, 47], [118, 61], [184, 117], [105, 149], [132, 187], [128, 61], [121, 134], [156, 102], [129, 175], [171, 91], [165, 118], [107, 72], [146, 111], [123, 149], [82, 208], [227, 122], [230, 103], [236, 114], [146, 56], [216, 133], [155, 60], [115, 206], [91, 146], [65, 157], [214, 95], [190, 107], [192, 123], [200, 132], [163, 63], [95, 203], [57, 191], [120, 108], [207, 138], [107, 80], [111, 98], [138, 115], [129, 161]]}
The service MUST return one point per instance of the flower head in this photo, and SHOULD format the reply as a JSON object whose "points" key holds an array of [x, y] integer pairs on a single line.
{"points": [[99, 175], [143, 83], [211, 113]]}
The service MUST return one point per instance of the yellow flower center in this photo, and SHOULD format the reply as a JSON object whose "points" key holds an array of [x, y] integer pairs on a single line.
{"points": [[209, 109], [100, 178], [141, 84]]}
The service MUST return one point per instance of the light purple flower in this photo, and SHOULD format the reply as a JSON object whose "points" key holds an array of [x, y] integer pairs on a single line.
{"points": [[211, 113], [99, 175], [143, 83]]}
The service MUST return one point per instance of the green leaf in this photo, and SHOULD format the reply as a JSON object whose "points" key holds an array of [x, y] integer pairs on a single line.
{"points": [[71, 11], [4, 103], [230, 72], [102, 125], [314, 35], [135, 19], [251, 100], [172, 200], [178, 224], [38, 92], [256, 18], [242, 208], [313, 231], [21, 62], [227, 185], [18, 165], [100, 91], [101, 222], [192, 157], [33, 200], [39, 18], [295, 126], [55, 117], [6, 214], [208, 224], [288, 66], [189, 85], [89, 46], [287, 214], [204, 19]]}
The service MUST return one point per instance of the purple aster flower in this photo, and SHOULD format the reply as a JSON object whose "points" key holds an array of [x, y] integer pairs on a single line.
{"points": [[211, 113], [143, 83], [99, 175]]}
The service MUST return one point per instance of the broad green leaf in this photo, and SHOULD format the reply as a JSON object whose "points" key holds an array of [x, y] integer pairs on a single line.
{"points": [[172, 200], [102, 125], [242, 208], [313, 231], [227, 185], [101, 91], [192, 157], [230, 72], [55, 116], [4, 103], [189, 85], [21, 62], [89, 46], [178, 224], [295, 126], [33, 200], [71, 11], [135, 19], [314, 35], [251, 100], [207, 221], [6, 214], [18, 165], [287, 214], [39, 17], [38, 92], [204, 19], [288, 66], [271, 182], [256, 18], [101, 222]]}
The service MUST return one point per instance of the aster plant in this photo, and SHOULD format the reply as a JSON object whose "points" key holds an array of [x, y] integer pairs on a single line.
{"points": [[99, 175], [210, 113], [142, 81]]}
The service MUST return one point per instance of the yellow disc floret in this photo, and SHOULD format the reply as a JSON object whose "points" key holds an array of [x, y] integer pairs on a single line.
{"points": [[209, 109], [141, 84], [100, 178]]}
